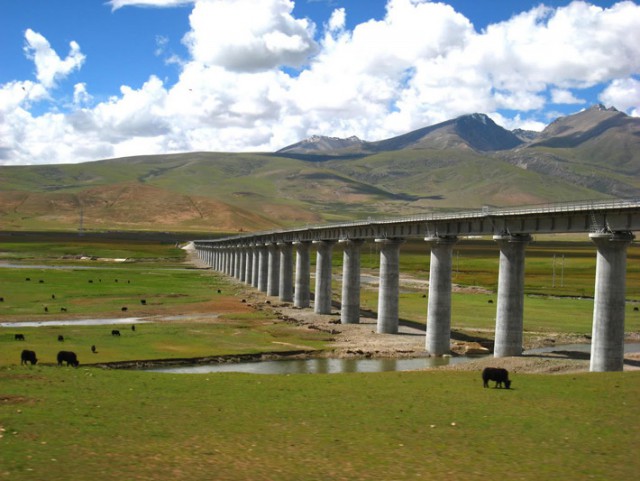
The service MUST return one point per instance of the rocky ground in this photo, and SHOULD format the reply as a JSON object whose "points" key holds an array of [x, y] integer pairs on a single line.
{"points": [[361, 340]]}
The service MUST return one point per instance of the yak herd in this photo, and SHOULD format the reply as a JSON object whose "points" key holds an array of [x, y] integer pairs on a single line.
{"points": [[29, 357], [69, 357]]}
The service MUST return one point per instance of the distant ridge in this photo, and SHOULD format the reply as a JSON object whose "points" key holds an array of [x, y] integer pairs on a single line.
{"points": [[475, 131], [463, 163], [322, 144]]}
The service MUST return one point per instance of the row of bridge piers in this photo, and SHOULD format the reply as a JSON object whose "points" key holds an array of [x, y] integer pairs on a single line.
{"points": [[269, 267]]}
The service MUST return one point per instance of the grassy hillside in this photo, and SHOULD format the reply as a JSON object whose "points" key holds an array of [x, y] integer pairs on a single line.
{"points": [[224, 192]]}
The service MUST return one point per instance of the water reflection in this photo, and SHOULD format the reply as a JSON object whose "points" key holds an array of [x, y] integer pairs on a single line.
{"points": [[334, 366], [77, 322], [318, 366]]}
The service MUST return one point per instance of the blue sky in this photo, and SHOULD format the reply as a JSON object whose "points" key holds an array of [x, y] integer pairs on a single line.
{"points": [[90, 79]]}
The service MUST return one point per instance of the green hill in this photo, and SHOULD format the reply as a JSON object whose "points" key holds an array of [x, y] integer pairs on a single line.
{"points": [[591, 155]]}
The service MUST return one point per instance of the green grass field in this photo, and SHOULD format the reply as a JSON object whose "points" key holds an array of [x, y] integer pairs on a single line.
{"points": [[91, 424], [96, 424]]}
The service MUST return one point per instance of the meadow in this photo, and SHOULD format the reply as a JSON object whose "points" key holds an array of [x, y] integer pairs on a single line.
{"points": [[102, 424]]}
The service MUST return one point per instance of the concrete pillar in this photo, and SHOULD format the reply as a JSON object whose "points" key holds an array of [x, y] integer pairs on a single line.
{"points": [[273, 275], [255, 274], [228, 264], [242, 263], [322, 302], [388, 290], [263, 268], [234, 261], [607, 336], [286, 272], [303, 273], [248, 264], [350, 303], [509, 315], [438, 341]]}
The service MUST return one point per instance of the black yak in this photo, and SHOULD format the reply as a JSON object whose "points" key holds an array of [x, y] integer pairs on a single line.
{"points": [[69, 357], [497, 374], [28, 357]]}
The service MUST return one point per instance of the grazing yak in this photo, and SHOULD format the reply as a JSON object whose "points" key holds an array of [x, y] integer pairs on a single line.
{"points": [[69, 357], [28, 357], [115, 332], [19, 337], [497, 374], [61, 338]]}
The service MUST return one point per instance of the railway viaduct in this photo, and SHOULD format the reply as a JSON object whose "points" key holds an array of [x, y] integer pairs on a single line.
{"points": [[265, 260]]}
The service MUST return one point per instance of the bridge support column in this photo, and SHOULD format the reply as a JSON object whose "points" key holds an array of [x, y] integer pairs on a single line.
{"points": [[255, 265], [388, 290], [509, 316], [242, 263], [273, 276], [438, 341], [322, 301], [286, 272], [263, 267], [607, 343], [350, 303], [227, 261], [234, 262], [301, 294], [248, 265]]}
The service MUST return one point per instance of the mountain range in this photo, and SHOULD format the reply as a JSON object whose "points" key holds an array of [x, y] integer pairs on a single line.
{"points": [[463, 163]]}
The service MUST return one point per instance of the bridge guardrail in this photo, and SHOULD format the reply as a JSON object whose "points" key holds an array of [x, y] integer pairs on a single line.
{"points": [[484, 212]]}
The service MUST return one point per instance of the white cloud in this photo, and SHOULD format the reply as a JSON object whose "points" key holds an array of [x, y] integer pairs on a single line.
{"points": [[80, 94], [624, 94], [249, 35], [421, 64], [49, 66], [116, 4], [563, 96]]}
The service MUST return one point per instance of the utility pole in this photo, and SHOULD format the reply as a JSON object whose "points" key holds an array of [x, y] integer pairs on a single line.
{"points": [[81, 226]]}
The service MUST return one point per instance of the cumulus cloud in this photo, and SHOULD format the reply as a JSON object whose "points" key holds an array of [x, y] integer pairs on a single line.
{"points": [[116, 4], [563, 96], [49, 66], [249, 35], [624, 94], [257, 78]]}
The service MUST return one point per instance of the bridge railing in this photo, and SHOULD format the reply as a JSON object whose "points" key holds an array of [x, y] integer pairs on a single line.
{"points": [[484, 212]]}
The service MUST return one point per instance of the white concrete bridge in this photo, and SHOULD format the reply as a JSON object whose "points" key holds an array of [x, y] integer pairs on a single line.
{"points": [[265, 260]]}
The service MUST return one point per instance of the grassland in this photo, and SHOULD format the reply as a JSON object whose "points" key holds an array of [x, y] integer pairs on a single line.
{"points": [[231, 192], [88, 424], [96, 424]]}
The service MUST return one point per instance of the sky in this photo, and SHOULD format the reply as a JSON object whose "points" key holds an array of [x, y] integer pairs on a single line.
{"points": [[84, 80]]}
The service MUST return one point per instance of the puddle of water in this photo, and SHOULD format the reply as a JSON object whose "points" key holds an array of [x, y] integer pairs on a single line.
{"points": [[333, 366], [318, 366], [77, 322]]}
